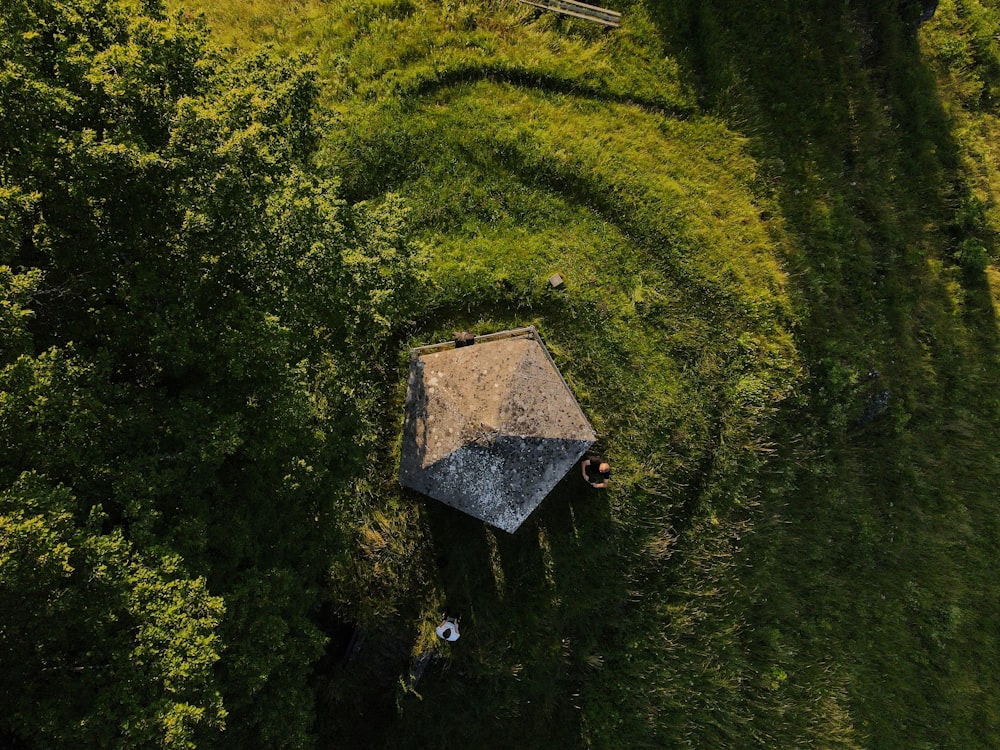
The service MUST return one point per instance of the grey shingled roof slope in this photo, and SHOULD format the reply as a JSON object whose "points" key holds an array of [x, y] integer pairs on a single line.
{"points": [[490, 429]]}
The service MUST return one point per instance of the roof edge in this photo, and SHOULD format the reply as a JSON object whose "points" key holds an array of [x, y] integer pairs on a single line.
{"points": [[524, 332]]}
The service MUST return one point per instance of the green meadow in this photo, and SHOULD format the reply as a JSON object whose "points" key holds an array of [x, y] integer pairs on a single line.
{"points": [[777, 223]]}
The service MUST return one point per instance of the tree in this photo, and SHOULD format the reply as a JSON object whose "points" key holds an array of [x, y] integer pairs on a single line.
{"points": [[192, 313], [99, 646]]}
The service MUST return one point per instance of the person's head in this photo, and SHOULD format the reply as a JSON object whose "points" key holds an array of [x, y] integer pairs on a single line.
{"points": [[446, 633], [605, 469]]}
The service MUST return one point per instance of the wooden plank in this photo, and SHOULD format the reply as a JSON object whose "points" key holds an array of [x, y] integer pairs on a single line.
{"points": [[579, 10], [588, 7], [527, 332]]}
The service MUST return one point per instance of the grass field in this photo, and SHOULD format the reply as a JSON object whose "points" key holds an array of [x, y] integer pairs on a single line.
{"points": [[777, 224]]}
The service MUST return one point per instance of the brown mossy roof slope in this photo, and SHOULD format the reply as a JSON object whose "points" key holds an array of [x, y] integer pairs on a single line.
{"points": [[491, 428]]}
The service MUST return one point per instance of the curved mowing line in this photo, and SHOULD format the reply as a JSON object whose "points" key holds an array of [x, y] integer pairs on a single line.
{"points": [[574, 188], [577, 190], [519, 76], [406, 93]]}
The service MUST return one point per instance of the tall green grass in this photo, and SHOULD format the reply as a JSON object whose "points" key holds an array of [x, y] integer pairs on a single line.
{"points": [[754, 206], [871, 559]]}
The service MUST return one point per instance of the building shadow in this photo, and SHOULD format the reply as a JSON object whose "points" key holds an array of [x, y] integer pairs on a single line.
{"points": [[532, 606]]}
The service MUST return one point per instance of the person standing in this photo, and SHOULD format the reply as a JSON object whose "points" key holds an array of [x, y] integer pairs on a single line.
{"points": [[596, 471], [448, 630]]}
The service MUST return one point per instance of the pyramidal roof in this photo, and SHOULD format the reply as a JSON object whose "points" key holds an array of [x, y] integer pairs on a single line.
{"points": [[490, 428]]}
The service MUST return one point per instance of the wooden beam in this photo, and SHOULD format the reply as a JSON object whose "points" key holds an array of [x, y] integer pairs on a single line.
{"points": [[579, 10]]}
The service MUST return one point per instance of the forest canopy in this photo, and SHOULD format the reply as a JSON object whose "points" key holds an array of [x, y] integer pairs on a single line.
{"points": [[184, 301]]}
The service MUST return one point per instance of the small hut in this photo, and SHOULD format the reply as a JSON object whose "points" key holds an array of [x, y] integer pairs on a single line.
{"points": [[490, 428]]}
